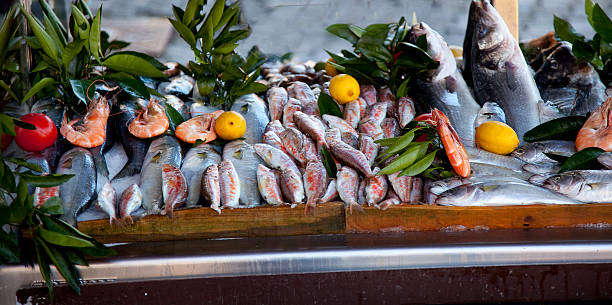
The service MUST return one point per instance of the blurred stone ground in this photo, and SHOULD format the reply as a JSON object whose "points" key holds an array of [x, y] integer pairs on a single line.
{"points": [[298, 26]]}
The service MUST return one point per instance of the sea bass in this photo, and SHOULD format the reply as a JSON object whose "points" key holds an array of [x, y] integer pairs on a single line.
{"points": [[123, 112], [245, 161], [77, 192], [496, 67], [163, 150], [535, 152], [583, 185], [195, 162], [254, 111]]}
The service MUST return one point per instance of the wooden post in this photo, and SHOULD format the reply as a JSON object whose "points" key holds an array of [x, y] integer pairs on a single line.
{"points": [[509, 10]]}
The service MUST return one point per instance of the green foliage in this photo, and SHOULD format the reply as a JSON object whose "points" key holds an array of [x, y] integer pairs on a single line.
{"points": [[221, 74], [598, 50], [381, 55], [584, 159]]}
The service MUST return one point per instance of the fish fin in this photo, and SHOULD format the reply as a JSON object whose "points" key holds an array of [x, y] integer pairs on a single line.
{"points": [[510, 75]]}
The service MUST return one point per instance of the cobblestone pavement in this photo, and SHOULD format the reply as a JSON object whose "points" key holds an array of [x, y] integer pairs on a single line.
{"points": [[298, 26]]}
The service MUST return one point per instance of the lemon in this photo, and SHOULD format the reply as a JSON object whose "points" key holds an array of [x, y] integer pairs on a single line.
{"points": [[496, 137], [329, 69], [230, 125], [457, 51], [344, 88]]}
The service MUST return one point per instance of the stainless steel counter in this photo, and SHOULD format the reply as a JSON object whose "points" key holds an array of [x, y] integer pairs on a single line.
{"points": [[332, 253]]}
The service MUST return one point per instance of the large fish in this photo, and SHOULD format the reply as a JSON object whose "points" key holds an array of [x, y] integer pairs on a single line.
{"points": [[245, 161], [254, 111], [583, 185], [195, 162], [163, 150], [482, 156], [605, 159], [77, 192], [123, 112], [445, 88], [490, 111], [479, 169], [496, 67], [535, 152]]}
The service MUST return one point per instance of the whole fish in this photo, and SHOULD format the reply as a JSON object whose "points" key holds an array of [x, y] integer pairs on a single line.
{"points": [[368, 93], [350, 156], [386, 96], [174, 188], [292, 186], [268, 185], [371, 129], [304, 94], [77, 192], [107, 202], [535, 152], [405, 111], [605, 159], [310, 127], [293, 106], [277, 99], [331, 192], [402, 185], [347, 182], [293, 142], [336, 122], [368, 147], [123, 112], [377, 112], [486, 169], [210, 187], [254, 111], [490, 111], [583, 185], [375, 189], [275, 158], [229, 185], [542, 167], [500, 194], [445, 88], [315, 183], [197, 160], [352, 113], [496, 67], [274, 126], [482, 156], [272, 139], [538, 179], [390, 128], [163, 150], [245, 161], [130, 201]]}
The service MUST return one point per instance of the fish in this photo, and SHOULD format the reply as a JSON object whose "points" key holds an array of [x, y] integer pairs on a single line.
{"points": [[371, 129], [174, 188], [275, 127], [479, 169], [363, 108], [131, 200], [272, 139], [55, 111], [292, 186], [310, 150], [339, 123], [377, 113], [579, 186], [352, 113], [385, 96], [375, 189], [123, 112], [198, 108], [542, 167], [302, 92], [178, 105], [389, 202], [368, 93], [229, 185], [361, 192], [310, 127], [163, 150], [254, 111], [535, 152], [107, 201], [482, 156], [368, 148], [605, 159], [490, 111], [180, 86], [245, 161], [197, 160], [347, 182], [402, 185], [293, 106], [350, 139], [315, 183], [331, 192], [210, 189], [390, 128], [77, 192], [501, 194], [269, 186], [444, 88], [277, 99], [538, 179], [275, 158], [416, 192], [350, 156], [497, 69], [293, 142], [405, 111]]}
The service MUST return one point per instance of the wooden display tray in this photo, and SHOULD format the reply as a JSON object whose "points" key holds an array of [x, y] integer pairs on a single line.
{"points": [[331, 219]]}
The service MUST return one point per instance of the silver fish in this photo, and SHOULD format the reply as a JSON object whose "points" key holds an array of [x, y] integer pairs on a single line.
{"points": [[181, 85], [584, 186], [130, 201], [482, 156], [350, 156], [195, 162], [200, 108], [487, 169], [543, 167], [178, 105], [495, 65], [269, 186], [315, 183], [245, 161], [210, 189], [331, 192], [605, 159], [490, 111], [277, 99], [229, 185], [405, 111], [274, 126], [254, 111], [535, 152], [77, 192], [445, 87], [163, 150], [347, 184], [107, 201]]}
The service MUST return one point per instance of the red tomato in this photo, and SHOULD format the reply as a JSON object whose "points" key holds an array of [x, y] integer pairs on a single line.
{"points": [[38, 139], [5, 141]]}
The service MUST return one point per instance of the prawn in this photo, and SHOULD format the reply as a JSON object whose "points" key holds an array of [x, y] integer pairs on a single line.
{"points": [[201, 127], [597, 130], [150, 122], [92, 130], [452, 144]]}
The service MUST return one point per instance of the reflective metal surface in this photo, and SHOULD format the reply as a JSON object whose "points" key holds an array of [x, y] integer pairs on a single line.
{"points": [[333, 253]]}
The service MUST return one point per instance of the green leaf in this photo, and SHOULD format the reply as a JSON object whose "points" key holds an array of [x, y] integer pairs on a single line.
{"points": [[8, 179], [134, 63], [558, 158], [216, 12], [588, 9], [185, 32], [7, 29], [45, 181], [406, 159], [226, 48], [75, 256], [48, 45], [400, 144], [206, 84], [178, 12], [174, 116], [131, 85], [565, 128], [47, 81], [7, 125], [33, 42], [565, 31], [24, 163], [23, 124], [53, 206], [50, 29], [9, 249], [584, 159], [228, 13], [154, 92], [81, 24], [43, 264], [403, 88], [420, 166], [206, 33], [328, 162], [56, 21], [42, 65], [94, 35], [71, 50], [60, 226], [63, 266], [63, 239], [327, 105], [602, 23], [343, 31], [83, 89], [4, 86], [190, 11]]}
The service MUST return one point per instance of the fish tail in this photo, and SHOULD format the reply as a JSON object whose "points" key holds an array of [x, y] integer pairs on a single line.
{"points": [[216, 208], [357, 206], [113, 220], [310, 209], [126, 219]]}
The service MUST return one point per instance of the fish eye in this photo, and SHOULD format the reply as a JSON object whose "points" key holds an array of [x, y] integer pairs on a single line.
{"points": [[554, 64], [520, 150], [482, 30], [557, 179]]}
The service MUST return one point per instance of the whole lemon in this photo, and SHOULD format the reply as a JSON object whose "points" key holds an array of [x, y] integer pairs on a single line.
{"points": [[496, 137], [329, 69], [344, 88], [230, 125]]}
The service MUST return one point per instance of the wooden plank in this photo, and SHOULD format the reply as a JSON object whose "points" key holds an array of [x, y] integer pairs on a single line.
{"points": [[509, 10], [206, 223], [426, 218]]}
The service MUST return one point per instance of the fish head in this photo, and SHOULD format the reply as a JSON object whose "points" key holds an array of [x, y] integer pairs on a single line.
{"points": [[490, 36], [437, 48], [528, 152], [462, 194], [566, 184], [561, 68]]}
